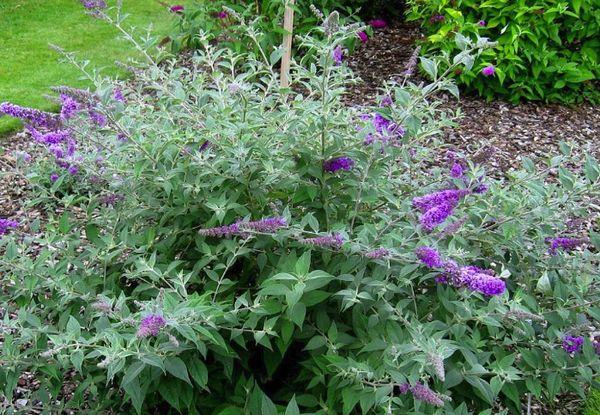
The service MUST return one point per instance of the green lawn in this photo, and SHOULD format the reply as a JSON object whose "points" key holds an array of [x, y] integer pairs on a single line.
{"points": [[28, 67]]}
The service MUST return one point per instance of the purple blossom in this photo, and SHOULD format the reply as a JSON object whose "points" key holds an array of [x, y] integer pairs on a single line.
{"points": [[54, 177], [362, 35], [221, 231], [429, 256], [338, 163], [118, 95], [112, 199], [378, 23], [206, 145], [6, 225], [481, 188], [488, 70], [97, 118], [482, 23], [457, 171], [73, 170], [436, 215], [378, 253], [437, 18], [338, 55], [474, 278], [449, 197], [267, 225], [30, 115], [386, 131], [453, 227], [176, 9], [422, 392], [151, 325], [332, 241], [93, 4], [404, 388], [69, 107], [564, 243], [572, 344], [487, 284], [386, 101], [222, 15]]}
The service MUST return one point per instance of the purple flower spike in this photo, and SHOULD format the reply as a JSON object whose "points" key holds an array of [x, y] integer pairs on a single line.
{"points": [[572, 344], [436, 215], [30, 115], [338, 55], [267, 225], [488, 70], [487, 284], [330, 241], [178, 8], [563, 243], [54, 177], [151, 325], [429, 256], [93, 4], [437, 18], [379, 253], [221, 231], [338, 163], [378, 23], [457, 171], [451, 197], [118, 95], [69, 107], [6, 225], [363, 36], [482, 23], [422, 392], [222, 15]]}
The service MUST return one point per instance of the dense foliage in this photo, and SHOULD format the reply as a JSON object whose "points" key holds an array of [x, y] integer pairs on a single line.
{"points": [[547, 49], [216, 18], [223, 247]]}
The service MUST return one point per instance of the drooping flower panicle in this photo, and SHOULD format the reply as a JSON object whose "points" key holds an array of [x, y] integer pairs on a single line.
{"points": [[564, 243], [266, 225], [429, 256], [6, 225], [572, 344], [151, 325], [339, 163], [378, 253], [335, 241], [377, 23], [30, 115], [488, 70]]}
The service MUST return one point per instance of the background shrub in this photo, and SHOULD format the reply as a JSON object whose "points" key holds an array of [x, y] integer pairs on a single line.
{"points": [[225, 247], [547, 49]]}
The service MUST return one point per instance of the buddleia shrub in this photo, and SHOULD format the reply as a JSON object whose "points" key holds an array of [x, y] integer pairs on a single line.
{"points": [[214, 244], [547, 50]]}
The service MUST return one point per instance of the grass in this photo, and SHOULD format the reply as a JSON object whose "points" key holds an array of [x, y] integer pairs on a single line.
{"points": [[28, 67], [592, 404]]}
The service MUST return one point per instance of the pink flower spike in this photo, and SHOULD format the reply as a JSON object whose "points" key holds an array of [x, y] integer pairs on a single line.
{"points": [[363, 36], [378, 23], [176, 9]]}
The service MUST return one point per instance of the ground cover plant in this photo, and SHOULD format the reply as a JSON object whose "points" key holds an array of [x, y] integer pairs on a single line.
{"points": [[30, 67], [228, 247], [547, 49]]}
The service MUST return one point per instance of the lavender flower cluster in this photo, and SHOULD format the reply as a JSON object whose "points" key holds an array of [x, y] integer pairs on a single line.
{"points": [[438, 206], [339, 163], [564, 243], [572, 344], [266, 225], [51, 130], [422, 393], [6, 225], [151, 325], [386, 131], [471, 277], [334, 241]]}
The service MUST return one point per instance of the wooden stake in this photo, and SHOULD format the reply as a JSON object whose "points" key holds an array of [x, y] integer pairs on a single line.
{"points": [[288, 27]]}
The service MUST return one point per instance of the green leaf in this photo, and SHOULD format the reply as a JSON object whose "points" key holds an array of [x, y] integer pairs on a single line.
{"points": [[430, 67], [297, 314], [73, 327], [554, 383], [315, 343], [132, 373], [176, 367], [292, 407], [199, 372], [135, 394]]}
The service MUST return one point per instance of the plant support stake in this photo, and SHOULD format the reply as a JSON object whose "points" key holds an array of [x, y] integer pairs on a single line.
{"points": [[288, 27]]}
